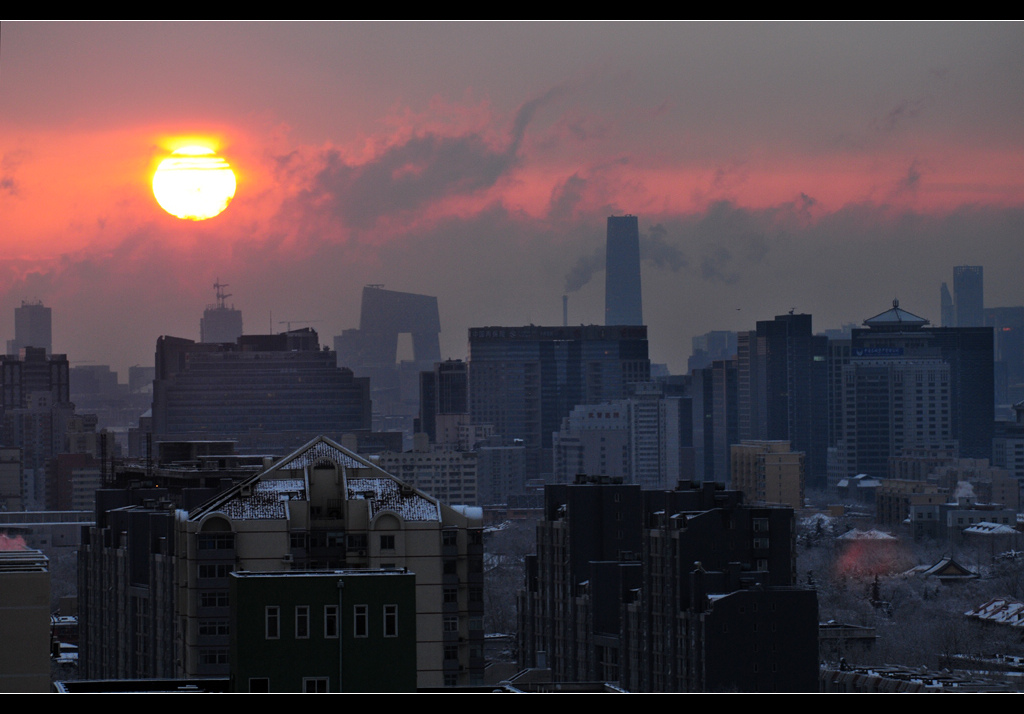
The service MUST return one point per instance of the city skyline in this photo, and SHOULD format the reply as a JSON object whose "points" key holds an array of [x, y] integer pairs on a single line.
{"points": [[826, 167]]}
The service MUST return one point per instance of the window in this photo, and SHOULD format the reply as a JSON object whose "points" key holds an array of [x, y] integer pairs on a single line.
{"points": [[273, 622], [216, 541], [213, 628], [451, 623], [330, 621], [213, 598], [391, 620], [302, 622], [360, 621], [387, 542], [315, 685], [451, 595], [451, 652], [450, 536], [208, 570], [213, 657]]}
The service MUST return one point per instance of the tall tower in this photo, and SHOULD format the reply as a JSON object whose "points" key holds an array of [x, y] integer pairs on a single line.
{"points": [[969, 296], [220, 323], [32, 328], [622, 303]]}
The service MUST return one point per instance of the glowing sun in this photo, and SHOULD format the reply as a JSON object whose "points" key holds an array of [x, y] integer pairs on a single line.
{"points": [[194, 183]]}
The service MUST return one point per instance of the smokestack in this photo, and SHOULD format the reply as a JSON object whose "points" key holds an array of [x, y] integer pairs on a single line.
{"points": [[565, 311]]}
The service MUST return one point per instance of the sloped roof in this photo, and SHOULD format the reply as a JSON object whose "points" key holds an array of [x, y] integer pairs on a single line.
{"points": [[896, 317], [265, 495], [949, 569]]}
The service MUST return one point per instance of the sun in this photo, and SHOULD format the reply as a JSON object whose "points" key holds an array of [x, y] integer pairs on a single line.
{"points": [[193, 183]]}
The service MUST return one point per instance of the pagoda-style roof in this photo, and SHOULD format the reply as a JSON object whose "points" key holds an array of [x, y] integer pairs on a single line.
{"points": [[895, 317]]}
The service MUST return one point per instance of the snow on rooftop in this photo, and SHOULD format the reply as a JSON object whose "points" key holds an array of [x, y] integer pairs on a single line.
{"points": [[387, 494], [267, 501]]}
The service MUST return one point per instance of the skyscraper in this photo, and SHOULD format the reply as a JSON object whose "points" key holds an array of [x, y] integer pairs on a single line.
{"points": [[32, 328], [525, 380], [622, 301], [969, 296]]}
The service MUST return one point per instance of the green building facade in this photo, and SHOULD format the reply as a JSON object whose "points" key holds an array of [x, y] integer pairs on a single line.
{"points": [[323, 631]]}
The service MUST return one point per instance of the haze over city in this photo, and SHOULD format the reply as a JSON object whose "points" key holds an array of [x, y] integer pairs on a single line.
{"points": [[826, 167]]}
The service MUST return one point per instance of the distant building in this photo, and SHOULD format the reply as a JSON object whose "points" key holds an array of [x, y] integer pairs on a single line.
{"points": [[908, 386], [768, 472], [441, 471], [969, 295], [782, 385], [220, 323], [33, 327], [268, 392], [623, 304], [372, 350], [524, 380]]}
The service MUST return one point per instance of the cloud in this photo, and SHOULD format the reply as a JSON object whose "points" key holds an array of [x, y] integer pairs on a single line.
{"points": [[421, 170]]}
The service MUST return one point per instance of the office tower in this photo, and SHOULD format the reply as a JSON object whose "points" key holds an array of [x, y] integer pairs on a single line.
{"points": [[32, 328], [438, 470], [444, 401], [220, 323], [715, 419], [372, 349], [682, 590], [636, 439], [622, 295], [946, 307], [969, 295], [524, 380], [910, 386], [268, 392], [783, 388]]}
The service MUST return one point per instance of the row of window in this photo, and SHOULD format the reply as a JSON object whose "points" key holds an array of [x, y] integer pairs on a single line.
{"points": [[360, 621]]}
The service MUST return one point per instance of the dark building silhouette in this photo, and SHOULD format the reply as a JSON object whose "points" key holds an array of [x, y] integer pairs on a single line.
{"points": [[33, 327], [682, 590], [525, 380], [444, 397], [714, 392], [969, 295], [269, 392], [783, 388], [372, 349], [623, 304]]}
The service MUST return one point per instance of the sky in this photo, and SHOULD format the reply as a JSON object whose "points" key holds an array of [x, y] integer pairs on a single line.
{"points": [[826, 168]]}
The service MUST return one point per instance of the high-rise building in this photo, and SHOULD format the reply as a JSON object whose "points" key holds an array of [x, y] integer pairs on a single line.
{"points": [[269, 392], [681, 590], [525, 380], [220, 323], [372, 350], [623, 304], [946, 307], [32, 328], [323, 507], [444, 401], [783, 388], [155, 570], [969, 295], [908, 386]]}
